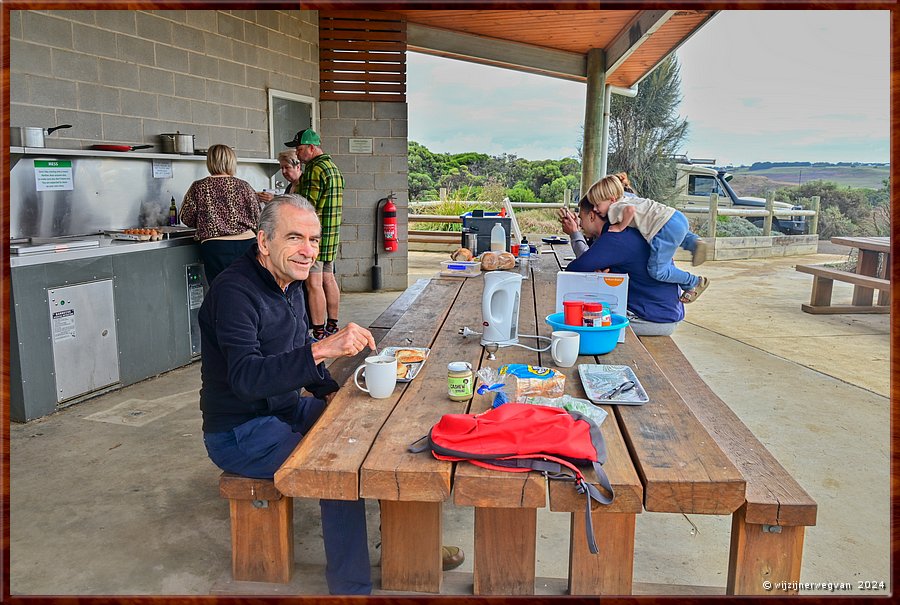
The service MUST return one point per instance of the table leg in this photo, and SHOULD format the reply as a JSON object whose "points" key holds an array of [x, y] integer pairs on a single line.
{"points": [[411, 546], [609, 572], [866, 264], [505, 551]]}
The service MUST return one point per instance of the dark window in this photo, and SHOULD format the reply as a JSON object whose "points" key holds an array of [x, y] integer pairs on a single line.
{"points": [[703, 185]]}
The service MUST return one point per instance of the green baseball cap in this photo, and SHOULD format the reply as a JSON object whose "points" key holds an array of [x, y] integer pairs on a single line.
{"points": [[305, 137]]}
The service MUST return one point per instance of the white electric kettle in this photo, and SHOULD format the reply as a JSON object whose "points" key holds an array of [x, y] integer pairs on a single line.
{"points": [[500, 307]]}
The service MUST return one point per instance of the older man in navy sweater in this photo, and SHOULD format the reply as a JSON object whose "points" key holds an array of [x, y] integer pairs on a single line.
{"points": [[257, 355]]}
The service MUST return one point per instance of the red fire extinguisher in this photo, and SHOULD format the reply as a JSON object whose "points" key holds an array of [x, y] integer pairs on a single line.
{"points": [[389, 217]]}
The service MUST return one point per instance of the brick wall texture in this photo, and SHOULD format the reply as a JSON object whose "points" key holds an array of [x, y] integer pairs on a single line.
{"points": [[120, 76]]}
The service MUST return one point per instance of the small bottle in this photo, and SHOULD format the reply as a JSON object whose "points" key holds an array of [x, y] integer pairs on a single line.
{"points": [[524, 257], [173, 213], [605, 317], [498, 238]]}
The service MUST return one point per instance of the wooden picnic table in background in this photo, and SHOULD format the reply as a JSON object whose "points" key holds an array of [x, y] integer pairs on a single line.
{"points": [[872, 272]]}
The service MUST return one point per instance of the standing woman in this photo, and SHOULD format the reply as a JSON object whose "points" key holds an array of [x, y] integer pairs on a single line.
{"points": [[224, 209], [291, 169]]}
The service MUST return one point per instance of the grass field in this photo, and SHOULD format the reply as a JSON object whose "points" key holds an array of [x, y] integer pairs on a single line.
{"points": [[852, 176]]}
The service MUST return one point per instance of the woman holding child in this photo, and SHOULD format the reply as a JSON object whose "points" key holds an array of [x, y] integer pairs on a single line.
{"points": [[654, 307]]}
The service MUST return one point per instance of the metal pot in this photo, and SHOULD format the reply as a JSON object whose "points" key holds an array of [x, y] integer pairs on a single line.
{"points": [[31, 136], [177, 143]]}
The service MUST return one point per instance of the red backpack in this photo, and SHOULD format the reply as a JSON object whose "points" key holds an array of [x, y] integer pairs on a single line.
{"points": [[519, 437]]}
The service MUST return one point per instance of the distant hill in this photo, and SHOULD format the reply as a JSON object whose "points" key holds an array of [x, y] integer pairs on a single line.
{"points": [[756, 182]]}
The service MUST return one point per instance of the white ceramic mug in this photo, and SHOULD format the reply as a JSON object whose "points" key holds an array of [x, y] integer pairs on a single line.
{"points": [[564, 347], [381, 376]]}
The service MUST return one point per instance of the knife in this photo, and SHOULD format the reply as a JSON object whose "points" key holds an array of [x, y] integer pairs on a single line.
{"points": [[622, 388]]}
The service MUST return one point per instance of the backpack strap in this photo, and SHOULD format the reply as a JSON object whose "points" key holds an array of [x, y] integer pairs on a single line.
{"points": [[422, 444]]}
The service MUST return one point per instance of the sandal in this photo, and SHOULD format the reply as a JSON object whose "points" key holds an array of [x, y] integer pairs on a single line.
{"points": [[689, 296]]}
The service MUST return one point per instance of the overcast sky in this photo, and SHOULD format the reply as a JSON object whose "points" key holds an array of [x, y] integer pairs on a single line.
{"points": [[757, 86]]}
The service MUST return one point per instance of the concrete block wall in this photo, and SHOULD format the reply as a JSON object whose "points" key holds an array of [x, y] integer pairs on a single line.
{"points": [[124, 76], [368, 178]]}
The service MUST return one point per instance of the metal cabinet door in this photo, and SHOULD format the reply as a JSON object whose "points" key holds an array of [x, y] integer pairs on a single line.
{"points": [[83, 334]]}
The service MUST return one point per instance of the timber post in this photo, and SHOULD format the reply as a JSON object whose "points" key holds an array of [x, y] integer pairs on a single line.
{"points": [[770, 207]]}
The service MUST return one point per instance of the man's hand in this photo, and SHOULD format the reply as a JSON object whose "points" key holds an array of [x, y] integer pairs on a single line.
{"points": [[346, 342], [568, 221]]}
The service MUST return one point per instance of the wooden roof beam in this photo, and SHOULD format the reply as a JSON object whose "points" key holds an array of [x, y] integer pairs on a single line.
{"points": [[498, 53], [633, 35]]}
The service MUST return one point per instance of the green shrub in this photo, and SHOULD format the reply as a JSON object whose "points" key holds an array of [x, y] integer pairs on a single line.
{"points": [[538, 220], [453, 206], [832, 222]]}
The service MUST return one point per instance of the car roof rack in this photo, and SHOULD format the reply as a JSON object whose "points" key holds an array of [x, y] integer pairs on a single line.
{"points": [[683, 159]]}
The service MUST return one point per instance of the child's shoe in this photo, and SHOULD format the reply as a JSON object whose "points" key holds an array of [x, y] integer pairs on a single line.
{"points": [[689, 296]]}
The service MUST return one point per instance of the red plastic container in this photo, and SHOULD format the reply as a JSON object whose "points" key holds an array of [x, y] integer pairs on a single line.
{"points": [[572, 310]]}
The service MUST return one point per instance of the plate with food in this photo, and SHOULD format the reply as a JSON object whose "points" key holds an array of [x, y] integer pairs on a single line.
{"points": [[409, 360], [554, 239]]}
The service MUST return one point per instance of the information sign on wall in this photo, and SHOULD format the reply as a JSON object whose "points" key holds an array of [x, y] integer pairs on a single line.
{"points": [[53, 175], [360, 145]]}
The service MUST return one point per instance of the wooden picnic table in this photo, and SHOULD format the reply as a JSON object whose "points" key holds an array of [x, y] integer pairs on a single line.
{"points": [[661, 458], [869, 275], [867, 263]]}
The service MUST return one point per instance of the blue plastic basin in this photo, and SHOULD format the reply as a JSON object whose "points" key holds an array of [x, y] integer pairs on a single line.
{"points": [[592, 341]]}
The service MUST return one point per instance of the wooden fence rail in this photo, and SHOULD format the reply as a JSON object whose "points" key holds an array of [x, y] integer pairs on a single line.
{"points": [[713, 211]]}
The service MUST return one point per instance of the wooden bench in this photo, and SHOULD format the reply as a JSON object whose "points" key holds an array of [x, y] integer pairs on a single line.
{"points": [[262, 530], [823, 282], [767, 531]]}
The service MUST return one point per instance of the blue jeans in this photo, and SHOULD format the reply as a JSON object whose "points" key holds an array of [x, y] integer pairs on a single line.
{"points": [[676, 233], [258, 447]]}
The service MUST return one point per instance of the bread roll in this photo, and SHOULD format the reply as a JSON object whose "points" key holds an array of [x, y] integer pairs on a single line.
{"points": [[507, 260], [402, 369], [490, 261], [409, 356], [462, 254]]}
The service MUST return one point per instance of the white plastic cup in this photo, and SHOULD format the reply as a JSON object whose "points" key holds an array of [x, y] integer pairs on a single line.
{"points": [[564, 348], [380, 376]]}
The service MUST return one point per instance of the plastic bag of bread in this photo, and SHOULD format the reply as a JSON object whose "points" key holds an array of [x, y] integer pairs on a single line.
{"points": [[515, 381], [461, 254], [490, 261], [506, 260]]}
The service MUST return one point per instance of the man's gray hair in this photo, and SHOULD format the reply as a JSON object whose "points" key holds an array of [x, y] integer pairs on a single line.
{"points": [[268, 218]]}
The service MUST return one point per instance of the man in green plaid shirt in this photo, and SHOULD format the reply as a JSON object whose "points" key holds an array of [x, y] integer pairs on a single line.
{"points": [[323, 185]]}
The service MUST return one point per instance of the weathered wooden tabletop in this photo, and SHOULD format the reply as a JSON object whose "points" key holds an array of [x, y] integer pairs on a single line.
{"points": [[661, 458]]}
